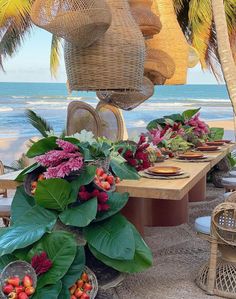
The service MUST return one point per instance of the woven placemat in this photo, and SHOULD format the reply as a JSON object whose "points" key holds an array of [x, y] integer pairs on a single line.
{"points": [[157, 177], [195, 160]]}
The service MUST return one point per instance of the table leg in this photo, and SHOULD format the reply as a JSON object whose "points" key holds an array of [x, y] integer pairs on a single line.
{"points": [[198, 192], [133, 211], [161, 212]]}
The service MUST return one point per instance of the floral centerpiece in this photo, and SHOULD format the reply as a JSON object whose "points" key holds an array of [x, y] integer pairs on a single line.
{"points": [[70, 195]]}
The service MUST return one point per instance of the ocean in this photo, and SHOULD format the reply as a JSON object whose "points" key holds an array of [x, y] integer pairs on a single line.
{"points": [[51, 100]]}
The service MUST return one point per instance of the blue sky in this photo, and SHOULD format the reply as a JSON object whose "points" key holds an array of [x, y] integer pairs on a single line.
{"points": [[31, 63]]}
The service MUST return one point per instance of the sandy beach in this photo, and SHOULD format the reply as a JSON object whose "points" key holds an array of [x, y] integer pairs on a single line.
{"points": [[12, 148]]}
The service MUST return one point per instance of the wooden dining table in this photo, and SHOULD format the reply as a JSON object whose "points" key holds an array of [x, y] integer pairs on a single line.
{"points": [[157, 202]]}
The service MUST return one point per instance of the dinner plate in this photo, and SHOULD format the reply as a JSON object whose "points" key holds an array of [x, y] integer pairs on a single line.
{"points": [[215, 143], [166, 170], [208, 148], [224, 140], [191, 156], [163, 174]]}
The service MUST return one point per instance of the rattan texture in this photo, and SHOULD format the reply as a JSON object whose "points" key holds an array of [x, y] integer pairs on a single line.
{"points": [[225, 281], [128, 100], [224, 223], [115, 61], [159, 66], [82, 116], [2, 191], [80, 22], [149, 23], [112, 126], [171, 40]]}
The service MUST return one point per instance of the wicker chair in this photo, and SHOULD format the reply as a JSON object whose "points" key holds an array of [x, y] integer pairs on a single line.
{"points": [[218, 277], [5, 202]]}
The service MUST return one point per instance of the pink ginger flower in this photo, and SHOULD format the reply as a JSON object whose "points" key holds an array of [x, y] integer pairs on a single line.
{"points": [[156, 136], [55, 157], [67, 146], [200, 127]]}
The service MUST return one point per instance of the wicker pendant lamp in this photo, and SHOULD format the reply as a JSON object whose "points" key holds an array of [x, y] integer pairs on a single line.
{"points": [[80, 22], [159, 66], [149, 23], [128, 100], [171, 40], [115, 61]]}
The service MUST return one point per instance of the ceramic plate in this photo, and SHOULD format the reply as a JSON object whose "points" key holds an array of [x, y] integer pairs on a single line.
{"points": [[191, 156], [215, 143], [208, 148], [166, 170]]}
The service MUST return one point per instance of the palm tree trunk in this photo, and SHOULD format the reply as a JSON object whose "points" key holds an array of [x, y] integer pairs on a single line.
{"points": [[224, 50]]}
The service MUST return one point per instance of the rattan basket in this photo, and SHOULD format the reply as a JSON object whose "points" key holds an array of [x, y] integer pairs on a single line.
{"points": [[149, 23], [112, 126], [82, 116], [17, 268], [115, 61], [171, 40], [128, 100], [159, 66], [80, 22]]}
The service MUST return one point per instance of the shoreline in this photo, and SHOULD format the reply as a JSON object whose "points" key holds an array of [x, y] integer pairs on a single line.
{"points": [[11, 148]]}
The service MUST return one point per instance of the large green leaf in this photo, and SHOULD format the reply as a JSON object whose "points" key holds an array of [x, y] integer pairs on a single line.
{"points": [[188, 114], [24, 172], [216, 133], [80, 215], [176, 117], [116, 202], [112, 237], [123, 170], [26, 230], [85, 178], [21, 204], [50, 291], [54, 194], [154, 123], [5, 260], [42, 146], [142, 258], [61, 249], [73, 273]]}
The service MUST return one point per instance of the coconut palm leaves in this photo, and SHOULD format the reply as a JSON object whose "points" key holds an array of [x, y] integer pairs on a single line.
{"points": [[55, 55], [15, 23], [196, 20]]}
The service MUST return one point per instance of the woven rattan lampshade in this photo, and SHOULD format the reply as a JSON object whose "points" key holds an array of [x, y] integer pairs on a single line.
{"points": [[171, 40], [149, 23], [82, 116], [112, 126], [115, 61], [128, 100], [80, 22], [159, 66]]}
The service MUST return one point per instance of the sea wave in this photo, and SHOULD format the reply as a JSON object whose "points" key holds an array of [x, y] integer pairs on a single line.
{"points": [[6, 109], [46, 103]]}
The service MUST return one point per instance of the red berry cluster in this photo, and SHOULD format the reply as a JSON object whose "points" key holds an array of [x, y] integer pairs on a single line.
{"points": [[14, 288], [85, 193], [41, 263], [138, 157]]}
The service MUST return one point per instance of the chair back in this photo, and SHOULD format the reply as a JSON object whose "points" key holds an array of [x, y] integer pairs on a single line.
{"points": [[224, 223], [2, 191]]}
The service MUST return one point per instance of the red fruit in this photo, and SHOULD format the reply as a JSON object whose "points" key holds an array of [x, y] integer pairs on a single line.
{"points": [[23, 295], [85, 296], [87, 287], [30, 291], [103, 197], [104, 176], [34, 184], [99, 172], [14, 281], [80, 283], [27, 281], [78, 293], [110, 179], [19, 289], [95, 193], [117, 180], [7, 289], [106, 186], [85, 277], [72, 297], [72, 289], [84, 195]]}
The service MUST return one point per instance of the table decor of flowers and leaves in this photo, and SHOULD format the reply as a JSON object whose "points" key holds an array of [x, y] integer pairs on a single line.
{"points": [[67, 209]]}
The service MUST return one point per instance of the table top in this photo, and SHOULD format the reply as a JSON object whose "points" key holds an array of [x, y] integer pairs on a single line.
{"points": [[154, 188]]}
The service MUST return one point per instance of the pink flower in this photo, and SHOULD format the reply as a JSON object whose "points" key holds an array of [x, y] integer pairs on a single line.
{"points": [[200, 127], [66, 146], [156, 136], [55, 157], [41, 263]]}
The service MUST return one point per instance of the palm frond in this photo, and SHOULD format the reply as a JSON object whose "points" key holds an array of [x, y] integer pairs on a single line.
{"points": [[38, 123], [15, 22], [55, 55]]}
